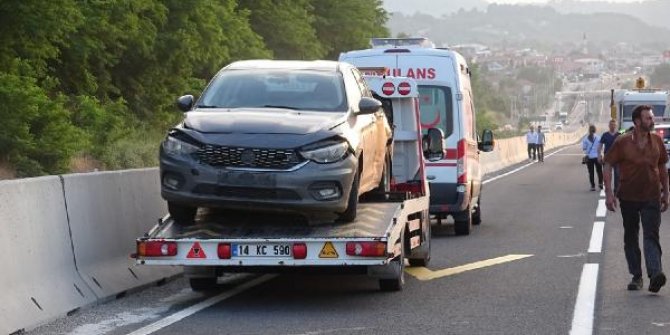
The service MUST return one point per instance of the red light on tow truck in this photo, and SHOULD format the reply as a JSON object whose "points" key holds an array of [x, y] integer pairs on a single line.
{"points": [[366, 249], [156, 248], [388, 88], [299, 250], [224, 251]]}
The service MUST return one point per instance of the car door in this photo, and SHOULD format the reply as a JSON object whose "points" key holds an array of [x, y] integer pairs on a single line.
{"points": [[382, 129], [364, 126]]}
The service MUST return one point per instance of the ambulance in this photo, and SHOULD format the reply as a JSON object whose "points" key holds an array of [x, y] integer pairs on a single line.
{"points": [[446, 103]]}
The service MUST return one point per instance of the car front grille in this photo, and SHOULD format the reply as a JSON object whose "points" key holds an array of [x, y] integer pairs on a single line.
{"points": [[255, 158], [247, 192]]}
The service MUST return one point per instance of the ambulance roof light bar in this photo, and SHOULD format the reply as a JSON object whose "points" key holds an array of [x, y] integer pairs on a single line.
{"points": [[409, 42]]}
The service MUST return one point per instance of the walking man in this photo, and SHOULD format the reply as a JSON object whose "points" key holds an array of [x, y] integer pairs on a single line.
{"points": [[606, 141], [590, 148], [531, 139], [642, 193], [539, 144]]}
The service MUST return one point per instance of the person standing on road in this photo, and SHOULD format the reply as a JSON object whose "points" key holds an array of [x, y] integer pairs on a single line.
{"points": [[606, 141], [531, 139], [539, 144], [590, 148], [642, 193]]}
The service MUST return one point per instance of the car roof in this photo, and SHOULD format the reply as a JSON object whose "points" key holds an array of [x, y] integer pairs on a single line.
{"points": [[322, 65]]}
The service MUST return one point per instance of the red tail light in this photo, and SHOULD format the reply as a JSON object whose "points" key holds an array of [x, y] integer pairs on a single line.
{"points": [[156, 248], [224, 251], [461, 165], [366, 249], [299, 251]]}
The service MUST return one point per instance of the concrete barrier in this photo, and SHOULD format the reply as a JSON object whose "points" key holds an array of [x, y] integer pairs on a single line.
{"points": [[108, 211], [39, 279], [510, 151]]}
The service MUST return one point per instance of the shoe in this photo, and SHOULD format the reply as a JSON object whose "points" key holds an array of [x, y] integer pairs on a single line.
{"points": [[593, 188], [656, 282], [635, 284], [601, 186]]}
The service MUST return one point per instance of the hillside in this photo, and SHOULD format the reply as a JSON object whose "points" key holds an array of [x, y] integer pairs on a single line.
{"points": [[542, 27]]}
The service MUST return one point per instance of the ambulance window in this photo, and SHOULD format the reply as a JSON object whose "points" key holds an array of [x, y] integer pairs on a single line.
{"points": [[436, 108]]}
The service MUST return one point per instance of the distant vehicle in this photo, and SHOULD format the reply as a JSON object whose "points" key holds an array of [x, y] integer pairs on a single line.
{"points": [[563, 117], [271, 135], [558, 126], [447, 103], [626, 101]]}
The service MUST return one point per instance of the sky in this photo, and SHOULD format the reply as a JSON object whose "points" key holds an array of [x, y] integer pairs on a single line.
{"points": [[544, 1]]}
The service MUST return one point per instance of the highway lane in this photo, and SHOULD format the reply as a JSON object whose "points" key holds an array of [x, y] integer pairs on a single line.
{"points": [[544, 211]]}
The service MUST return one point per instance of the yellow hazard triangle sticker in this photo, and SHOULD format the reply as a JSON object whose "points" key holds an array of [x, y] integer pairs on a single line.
{"points": [[328, 251]]}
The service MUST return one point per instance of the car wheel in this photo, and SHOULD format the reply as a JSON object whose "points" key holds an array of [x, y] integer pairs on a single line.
{"points": [[463, 222], [398, 263], [421, 255], [203, 284], [349, 215], [385, 181], [182, 214], [477, 214]]}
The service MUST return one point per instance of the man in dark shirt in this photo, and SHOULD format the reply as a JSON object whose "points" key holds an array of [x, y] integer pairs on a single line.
{"points": [[606, 142], [643, 195]]}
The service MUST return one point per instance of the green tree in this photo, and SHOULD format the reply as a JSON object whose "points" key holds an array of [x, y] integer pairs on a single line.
{"points": [[348, 24], [286, 27], [37, 136]]}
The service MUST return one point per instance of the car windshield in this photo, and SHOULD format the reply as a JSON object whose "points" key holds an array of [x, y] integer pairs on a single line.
{"points": [[276, 88]]}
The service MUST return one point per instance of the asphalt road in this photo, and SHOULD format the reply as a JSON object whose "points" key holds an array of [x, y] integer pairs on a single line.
{"points": [[543, 212]]}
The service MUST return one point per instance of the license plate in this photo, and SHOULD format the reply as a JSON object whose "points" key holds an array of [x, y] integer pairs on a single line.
{"points": [[261, 250], [250, 179]]}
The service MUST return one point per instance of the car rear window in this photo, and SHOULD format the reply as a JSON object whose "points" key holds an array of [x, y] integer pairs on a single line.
{"points": [[437, 108], [294, 89]]}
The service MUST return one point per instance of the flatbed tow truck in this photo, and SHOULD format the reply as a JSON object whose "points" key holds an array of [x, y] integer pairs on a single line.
{"points": [[389, 228]]}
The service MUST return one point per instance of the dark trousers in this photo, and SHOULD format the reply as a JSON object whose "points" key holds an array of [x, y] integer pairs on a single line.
{"points": [[540, 152], [532, 149], [649, 213], [590, 164]]}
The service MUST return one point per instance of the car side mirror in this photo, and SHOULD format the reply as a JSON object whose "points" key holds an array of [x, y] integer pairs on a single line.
{"points": [[185, 103], [488, 142], [368, 106], [433, 144]]}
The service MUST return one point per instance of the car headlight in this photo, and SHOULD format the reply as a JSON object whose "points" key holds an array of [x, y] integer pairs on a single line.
{"points": [[326, 152], [173, 146]]}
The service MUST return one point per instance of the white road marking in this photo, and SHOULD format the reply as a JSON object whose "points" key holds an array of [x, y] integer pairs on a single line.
{"points": [[581, 254], [601, 211], [520, 168], [596, 244], [178, 316], [566, 227], [582, 321]]}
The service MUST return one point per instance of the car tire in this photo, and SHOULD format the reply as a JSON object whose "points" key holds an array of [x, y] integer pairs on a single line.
{"points": [[203, 284], [477, 214], [423, 252], [349, 215], [397, 283], [182, 214], [463, 222]]}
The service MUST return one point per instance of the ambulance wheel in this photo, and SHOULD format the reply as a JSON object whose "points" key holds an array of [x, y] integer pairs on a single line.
{"points": [[201, 284], [182, 214], [398, 266], [477, 214], [349, 215], [463, 222]]}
